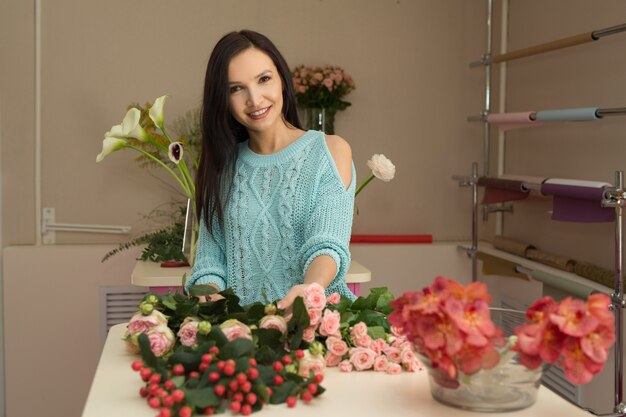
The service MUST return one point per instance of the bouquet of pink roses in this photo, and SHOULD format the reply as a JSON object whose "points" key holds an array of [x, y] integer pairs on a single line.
{"points": [[205, 357], [450, 324], [322, 86]]}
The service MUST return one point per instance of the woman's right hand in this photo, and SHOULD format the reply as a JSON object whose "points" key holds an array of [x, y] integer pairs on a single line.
{"points": [[212, 297]]}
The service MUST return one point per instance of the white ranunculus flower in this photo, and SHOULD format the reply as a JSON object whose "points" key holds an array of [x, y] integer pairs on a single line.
{"points": [[175, 152], [381, 167], [110, 145], [156, 111], [130, 127]]}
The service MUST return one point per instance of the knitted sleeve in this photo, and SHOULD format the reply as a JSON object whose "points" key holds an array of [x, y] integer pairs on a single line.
{"points": [[329, 226], [210, 263]]}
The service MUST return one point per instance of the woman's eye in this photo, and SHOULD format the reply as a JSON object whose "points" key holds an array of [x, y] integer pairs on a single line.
{"points": [[234, 89], [265, 79]]}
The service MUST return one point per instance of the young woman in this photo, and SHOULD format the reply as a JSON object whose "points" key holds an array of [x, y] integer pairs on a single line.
{"points": [[276, 202]]}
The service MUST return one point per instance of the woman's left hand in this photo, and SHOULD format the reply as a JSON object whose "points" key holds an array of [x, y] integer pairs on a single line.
{"points": [[287, 301]]}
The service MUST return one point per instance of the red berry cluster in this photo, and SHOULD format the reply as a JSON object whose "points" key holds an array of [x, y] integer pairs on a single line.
{"points": [[161, 395], [234, 382]]}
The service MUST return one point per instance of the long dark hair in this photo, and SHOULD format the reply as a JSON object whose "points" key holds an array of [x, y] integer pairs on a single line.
{"points": [[221, 133]]}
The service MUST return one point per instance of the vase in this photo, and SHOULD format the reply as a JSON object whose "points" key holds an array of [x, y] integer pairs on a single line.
{"points": [[191, 231], [506, 387], [320, 118]]}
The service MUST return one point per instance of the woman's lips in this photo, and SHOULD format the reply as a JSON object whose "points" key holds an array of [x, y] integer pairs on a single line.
{"points": [[259, 114]]}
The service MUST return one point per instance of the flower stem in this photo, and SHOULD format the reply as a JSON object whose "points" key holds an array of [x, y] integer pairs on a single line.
{"points": [[363, 184], [158, 161]]}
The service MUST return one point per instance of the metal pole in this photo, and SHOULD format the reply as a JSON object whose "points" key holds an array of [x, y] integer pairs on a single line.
{"points": [[486, 145], [474, 221], [618, 296]]}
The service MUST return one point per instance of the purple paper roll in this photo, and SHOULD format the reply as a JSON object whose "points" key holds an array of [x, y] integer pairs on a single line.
{"points": [[577, 203]]}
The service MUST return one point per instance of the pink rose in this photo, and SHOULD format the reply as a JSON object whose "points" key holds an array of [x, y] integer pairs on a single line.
{"points": [[329, 84], [309, 334], [234, 329], [141, 324], [407, 356], [393, 354], [315, 316], [314, 297], [378, 345], [394, 368], [188, 331], [358, 330], [274, 322], [334, 298], [330, 323], [345, 366], [302, 89], [363, 341], [336, 346], [381, 363], [362, 358], [161, 340], [332, 360], [308, 363]]}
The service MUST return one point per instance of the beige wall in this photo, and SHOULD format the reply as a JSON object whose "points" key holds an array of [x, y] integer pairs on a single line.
{"points": [[411, 99], [582, 76], [414, 90]]}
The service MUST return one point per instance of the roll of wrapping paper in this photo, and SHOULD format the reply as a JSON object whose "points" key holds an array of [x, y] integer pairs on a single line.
{"points": [[595, 273], [568, 115], [550, 259], [492, 265], [530, 183], [511, 246], [577, 200], [574, 288], [500, 190], [509, 121]]}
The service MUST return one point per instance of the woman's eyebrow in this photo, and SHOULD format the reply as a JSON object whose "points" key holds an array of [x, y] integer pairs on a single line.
{"points": [[256, 77]]}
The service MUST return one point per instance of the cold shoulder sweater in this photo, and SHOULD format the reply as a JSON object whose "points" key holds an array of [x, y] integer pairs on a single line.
{"points": [[285, 210]]}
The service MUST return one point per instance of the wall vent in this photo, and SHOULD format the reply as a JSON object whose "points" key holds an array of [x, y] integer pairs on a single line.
{"points": [[117, 305]]}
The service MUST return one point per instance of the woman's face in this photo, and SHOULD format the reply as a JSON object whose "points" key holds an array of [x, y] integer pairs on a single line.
{"points": [[256, 93]]}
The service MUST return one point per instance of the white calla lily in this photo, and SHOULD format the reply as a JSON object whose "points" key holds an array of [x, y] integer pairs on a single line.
{"points": [[110, 145], [175, 152], [130, 127], [156, 111]]}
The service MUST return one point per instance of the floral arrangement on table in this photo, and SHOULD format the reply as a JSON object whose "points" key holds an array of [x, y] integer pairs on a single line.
{"points": [[450, 325], [143, 130], [323, 87], [206, 357]]}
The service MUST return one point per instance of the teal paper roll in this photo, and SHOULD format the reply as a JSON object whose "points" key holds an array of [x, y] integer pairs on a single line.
{"points": [[567, 115], [574, 288]]}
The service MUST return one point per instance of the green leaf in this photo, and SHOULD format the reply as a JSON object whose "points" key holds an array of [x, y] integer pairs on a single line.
{"points": [[168, 301], [217, 335], [382, 304], [281, 392], [265, 355], [200, 290], [255, 311], [269, 337], [237, 348], [203, 397], [376, 332], [189, 360], [266, 374]]}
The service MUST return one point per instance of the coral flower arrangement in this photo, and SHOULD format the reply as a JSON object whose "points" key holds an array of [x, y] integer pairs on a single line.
{"points": [[450, 324]]}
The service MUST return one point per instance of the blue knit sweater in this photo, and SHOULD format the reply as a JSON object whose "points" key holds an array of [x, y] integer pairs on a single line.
{"points": [[286, 209]]}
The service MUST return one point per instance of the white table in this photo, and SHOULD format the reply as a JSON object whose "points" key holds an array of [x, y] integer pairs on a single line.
{"points": [[115, 392], [150, 274]]}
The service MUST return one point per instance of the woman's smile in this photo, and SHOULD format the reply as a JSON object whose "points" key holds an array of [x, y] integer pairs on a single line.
{"points": [[259, 114]]}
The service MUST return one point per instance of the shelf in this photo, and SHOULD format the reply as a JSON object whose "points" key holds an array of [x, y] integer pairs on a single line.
{"points": [[527, 263], [150, 274]]}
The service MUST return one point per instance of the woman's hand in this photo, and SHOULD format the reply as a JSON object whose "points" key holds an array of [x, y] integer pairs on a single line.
{"points": [[287, 301], [212, 297]]}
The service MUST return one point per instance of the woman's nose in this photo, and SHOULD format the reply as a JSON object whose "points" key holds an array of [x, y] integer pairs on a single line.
{"points": [[253, 98]]}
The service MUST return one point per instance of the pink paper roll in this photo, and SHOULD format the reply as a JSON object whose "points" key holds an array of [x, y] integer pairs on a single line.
{"points": [[508, 121]]}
